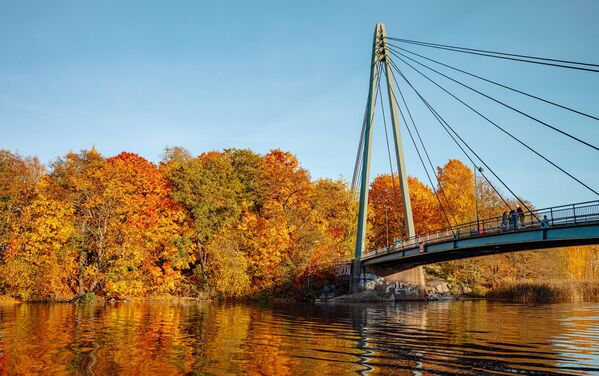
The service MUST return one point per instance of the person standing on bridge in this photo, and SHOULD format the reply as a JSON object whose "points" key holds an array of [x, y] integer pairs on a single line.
{"points": [[545, 222], [520, 215], [513, 219], [504, 224]]}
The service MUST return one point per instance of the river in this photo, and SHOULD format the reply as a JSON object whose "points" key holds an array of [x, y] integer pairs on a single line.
{"points": [[460, 337]]}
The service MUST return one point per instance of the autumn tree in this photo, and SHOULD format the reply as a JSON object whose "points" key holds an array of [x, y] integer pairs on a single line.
{"points": [[209, 188], [336, 213], [246, 166], [18, 180], [76, 180], [386, 218], [281, 224], [334, 221], [38, 264], [131, 238], [146, 237], [456, 187], [489, 203]]}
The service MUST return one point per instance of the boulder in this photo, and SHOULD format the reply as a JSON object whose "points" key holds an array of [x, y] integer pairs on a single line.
{"points": [[438, 286]]}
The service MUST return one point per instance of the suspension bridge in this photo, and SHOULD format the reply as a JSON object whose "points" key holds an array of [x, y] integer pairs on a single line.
{"points": [[526, 229]]}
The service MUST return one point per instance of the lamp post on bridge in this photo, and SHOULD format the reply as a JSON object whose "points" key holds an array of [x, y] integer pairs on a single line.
{"points": [[380, 53], [476, 198], [387, 225]]}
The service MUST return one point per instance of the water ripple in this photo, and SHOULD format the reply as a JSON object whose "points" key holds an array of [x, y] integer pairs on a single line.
{"points": [[445, 338]]}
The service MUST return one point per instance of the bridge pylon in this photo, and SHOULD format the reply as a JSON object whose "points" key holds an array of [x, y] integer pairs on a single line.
{"points": [[379, 62]]}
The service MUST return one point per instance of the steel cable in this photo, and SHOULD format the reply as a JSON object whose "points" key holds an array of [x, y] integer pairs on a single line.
{"points": [[445, 126], [502, 129], [498, 101], [496, 83], [502, 55]]}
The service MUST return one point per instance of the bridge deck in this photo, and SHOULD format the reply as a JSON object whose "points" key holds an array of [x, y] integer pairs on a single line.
{"points": [[570, 225]]}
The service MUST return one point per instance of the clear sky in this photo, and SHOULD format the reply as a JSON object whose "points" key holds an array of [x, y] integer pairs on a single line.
{"points": [[142, 75]]}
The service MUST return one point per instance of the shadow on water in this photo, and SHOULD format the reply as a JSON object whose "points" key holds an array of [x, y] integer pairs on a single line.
{"points": [[443, 338]]}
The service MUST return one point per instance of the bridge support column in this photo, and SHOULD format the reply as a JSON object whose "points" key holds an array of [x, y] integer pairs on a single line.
{"points": [[390, 284], [356, 274], [404, 284]]}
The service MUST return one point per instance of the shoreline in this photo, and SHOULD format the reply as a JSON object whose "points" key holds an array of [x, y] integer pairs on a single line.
{"points": [[524, 292], [522, 298]]}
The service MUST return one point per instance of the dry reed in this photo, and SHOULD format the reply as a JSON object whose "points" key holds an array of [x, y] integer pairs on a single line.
{"points": [[547, 291]]}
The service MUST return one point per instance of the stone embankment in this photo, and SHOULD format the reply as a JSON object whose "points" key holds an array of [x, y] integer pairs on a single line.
{"points": [[438, 290], [382, 291]]}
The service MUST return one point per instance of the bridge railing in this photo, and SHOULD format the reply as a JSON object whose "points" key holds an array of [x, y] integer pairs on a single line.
{"points": [[557, 216]]}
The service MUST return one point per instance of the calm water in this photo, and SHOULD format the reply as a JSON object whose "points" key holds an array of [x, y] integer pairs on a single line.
{"points": [[469, 337]]}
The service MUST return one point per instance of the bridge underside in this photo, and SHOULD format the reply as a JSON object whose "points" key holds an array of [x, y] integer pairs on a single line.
{"points": [[525, 240]]}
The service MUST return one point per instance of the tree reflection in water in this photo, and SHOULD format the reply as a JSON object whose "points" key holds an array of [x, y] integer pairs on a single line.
{"points": [[217, 338]]}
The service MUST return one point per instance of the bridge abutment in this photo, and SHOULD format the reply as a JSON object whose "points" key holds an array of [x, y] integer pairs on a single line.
{"points": [[385, 283], [388, 282]]}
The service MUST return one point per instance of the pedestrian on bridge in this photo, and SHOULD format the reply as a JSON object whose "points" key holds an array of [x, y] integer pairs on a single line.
{"points": [[545, 222], [520, 215], [513, 219], [504, 222]]}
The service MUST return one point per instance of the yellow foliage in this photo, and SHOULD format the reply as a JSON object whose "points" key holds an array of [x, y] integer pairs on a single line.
{"points": [[39, 265], [227, 223]]}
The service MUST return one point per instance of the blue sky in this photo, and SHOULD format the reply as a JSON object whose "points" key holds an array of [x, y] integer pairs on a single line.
{"points": [[142, 75]]}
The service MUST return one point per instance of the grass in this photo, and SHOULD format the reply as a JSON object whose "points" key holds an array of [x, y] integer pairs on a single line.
{"points": [[548, 291]]}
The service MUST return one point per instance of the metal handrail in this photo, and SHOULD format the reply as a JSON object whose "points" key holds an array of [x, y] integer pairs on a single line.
{"points": [[555, 216]]}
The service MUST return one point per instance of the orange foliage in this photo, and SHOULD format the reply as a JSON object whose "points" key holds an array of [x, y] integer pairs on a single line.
{"points": [[385, 218], [456, 188], [230, 224], [145, 247], [282, 180]]}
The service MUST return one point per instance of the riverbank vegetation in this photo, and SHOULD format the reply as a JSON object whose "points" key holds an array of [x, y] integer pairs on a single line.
{"points": [[568, 273], [227, 224], [224, 224], [550, 291]]}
